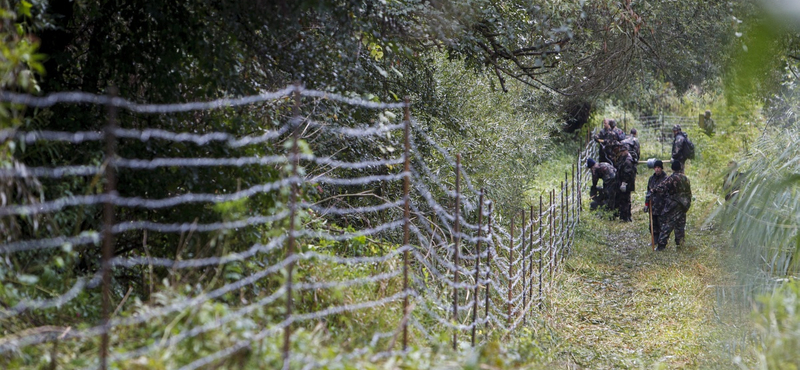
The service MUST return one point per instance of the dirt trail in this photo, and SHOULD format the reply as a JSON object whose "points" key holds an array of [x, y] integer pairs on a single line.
{"points": [[621, 305]]}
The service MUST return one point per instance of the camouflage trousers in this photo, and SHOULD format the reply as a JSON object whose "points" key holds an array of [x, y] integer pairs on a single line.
{"points": [[655, 228], [672, 220], [624, 205]]}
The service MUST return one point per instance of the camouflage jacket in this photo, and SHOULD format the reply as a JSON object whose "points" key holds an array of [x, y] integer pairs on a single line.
{"points": [[608, 139], [626, 171], [677, 192], [678, 147], [632, 144], [604, 171], [656, 201], [620, 135], [602, 136]]}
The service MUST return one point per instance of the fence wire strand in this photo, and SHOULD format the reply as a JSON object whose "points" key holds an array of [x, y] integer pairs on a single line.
{"points": [[494, 279]]}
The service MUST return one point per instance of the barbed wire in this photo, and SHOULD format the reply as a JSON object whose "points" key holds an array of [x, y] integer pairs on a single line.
{"points": [[495, 278]]}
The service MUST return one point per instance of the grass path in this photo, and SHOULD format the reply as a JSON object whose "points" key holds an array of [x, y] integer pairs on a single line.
{"points": [[620, 305]]}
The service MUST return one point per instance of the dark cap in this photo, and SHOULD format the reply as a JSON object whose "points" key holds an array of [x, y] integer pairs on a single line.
{"points": [[658, 163], [676, 128], [633, 131], [590, 163], [612, 122], [676, 166]]}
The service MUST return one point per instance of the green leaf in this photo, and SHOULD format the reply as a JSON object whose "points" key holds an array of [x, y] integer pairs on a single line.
{"points": [[24, 7]]}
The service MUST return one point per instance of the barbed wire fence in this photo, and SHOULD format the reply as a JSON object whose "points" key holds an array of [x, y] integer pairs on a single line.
{"points": [[655, 131], [440, 261]]}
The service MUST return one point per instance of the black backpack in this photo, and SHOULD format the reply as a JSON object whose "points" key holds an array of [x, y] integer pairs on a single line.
{"points": [[688, 147]]}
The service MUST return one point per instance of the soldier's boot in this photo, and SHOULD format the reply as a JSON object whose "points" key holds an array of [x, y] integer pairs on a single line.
{"points": [[678, 242], [661, 247]]}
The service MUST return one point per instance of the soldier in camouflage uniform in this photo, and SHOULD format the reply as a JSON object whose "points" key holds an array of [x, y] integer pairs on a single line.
{"points": [[626, 178], [679, 146], [677, 192], [608, 137], [617, 131], [708, 124], [655, 202], [632, 143], [608, 173]]}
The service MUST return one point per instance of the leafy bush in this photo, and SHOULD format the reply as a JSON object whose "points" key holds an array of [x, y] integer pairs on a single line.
{"points": [[778, 326]]}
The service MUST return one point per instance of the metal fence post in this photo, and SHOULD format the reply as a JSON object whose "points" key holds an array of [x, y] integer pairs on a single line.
{"points": [[457, 231], [488, 266], [511, 270], [552, 227], [108, 221], [406, 211], [572, 210], [524, 270], [477, 267], [541, 249], [562, 223], [580, 191], [567, 221], [662, 138], [530, 262], [290, 247]]}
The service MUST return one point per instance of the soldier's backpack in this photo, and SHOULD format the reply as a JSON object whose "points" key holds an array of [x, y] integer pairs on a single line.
{"points": [[630, 145], [684, 194], [688, 147]]}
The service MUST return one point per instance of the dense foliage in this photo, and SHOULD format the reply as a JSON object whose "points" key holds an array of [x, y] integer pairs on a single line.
{"points": [[493, 80]]}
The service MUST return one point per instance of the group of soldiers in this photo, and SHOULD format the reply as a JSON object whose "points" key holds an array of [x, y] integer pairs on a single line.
{"points": [[668, 198]]}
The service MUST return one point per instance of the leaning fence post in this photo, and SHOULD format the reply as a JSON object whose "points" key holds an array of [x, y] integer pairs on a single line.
{"points": [[510, 270], [290, 246], [457, 231], [108, 221], [477, 267], [406, 212], [489, 247]]}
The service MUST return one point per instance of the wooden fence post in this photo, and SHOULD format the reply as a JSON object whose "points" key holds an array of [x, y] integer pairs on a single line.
{"points": [[552, 227], [511, 271], [541, 249], [290, 247], [488, 266], [406, 211], [530, 263], [457, 231], [108, 222], [524, 269], [477, 267]]}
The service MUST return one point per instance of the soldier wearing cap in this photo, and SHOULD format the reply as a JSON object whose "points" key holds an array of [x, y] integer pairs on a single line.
{"points": [[608, 173], [707, 124], [679, 144], [608, 138], [626, 177], [617, 131], [655, 202], [632, 143]]}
